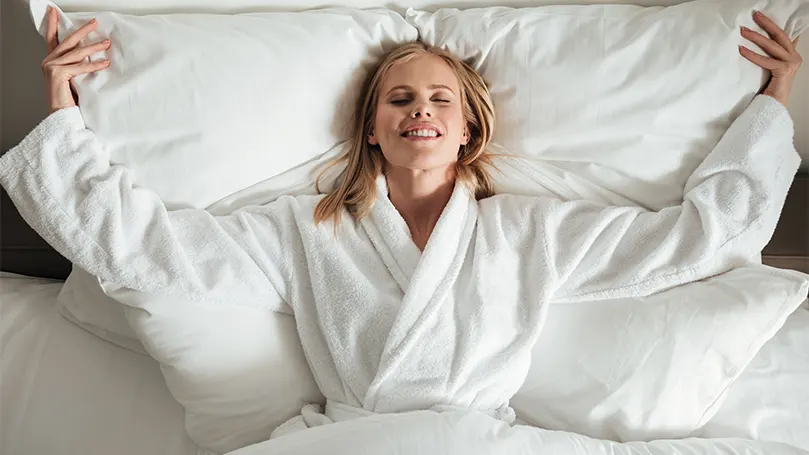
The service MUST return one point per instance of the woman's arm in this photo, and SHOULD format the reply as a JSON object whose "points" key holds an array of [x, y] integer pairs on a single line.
{"points": [[731, 205], [60, 180]]}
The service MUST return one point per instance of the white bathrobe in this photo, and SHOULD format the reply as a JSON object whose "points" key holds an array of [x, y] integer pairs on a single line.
{"points": [[385, 327]]}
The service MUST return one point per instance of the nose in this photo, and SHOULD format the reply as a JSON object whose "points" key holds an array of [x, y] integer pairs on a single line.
{"points": [[421, 110]]}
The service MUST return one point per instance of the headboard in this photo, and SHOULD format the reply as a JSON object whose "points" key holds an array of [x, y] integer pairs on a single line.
{"points": [[23, 104]]}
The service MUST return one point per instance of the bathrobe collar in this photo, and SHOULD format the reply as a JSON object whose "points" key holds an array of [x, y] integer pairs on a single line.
{"points": [[391, 235], [425, 278]]}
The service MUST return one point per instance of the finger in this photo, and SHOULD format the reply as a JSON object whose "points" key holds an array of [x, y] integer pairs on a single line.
{"points": [[71, 41], [795, 43], [779, 35], [51, 39], [82, 68], [78, 54], [769, 46], [764, 62]]}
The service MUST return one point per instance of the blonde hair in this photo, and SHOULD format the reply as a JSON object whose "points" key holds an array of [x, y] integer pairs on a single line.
{"points": [[356, 187]]}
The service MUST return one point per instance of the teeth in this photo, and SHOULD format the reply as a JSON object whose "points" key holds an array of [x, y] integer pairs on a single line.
{"points": [[422, 133]]}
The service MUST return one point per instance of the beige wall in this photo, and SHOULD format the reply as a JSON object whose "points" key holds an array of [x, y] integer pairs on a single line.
{"points": [[22, 97], [22, 100]]}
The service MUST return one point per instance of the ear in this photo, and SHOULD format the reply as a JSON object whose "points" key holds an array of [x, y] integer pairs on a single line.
{"points": [[372, 138], [465, 137]]}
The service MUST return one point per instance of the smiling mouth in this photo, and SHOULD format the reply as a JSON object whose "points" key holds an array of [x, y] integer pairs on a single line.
{"points": [[423, 136], [420, 138]]}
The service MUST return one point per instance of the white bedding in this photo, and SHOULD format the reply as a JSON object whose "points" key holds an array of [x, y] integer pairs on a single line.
{"points": [[73, 393], [66, 391], [465, 433], [770, 400]]}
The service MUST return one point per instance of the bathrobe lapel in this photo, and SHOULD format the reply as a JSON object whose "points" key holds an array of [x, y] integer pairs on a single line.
{"points": [[426, 277], [391, 237]]}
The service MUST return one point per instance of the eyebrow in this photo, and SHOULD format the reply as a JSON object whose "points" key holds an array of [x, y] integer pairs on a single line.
{"points": [[432, 87]]}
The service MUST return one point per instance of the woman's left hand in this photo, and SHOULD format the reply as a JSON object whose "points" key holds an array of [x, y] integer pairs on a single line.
{"points": [[783, 58]]}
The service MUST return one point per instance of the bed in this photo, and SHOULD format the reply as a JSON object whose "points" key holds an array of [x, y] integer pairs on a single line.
{"points": [[67, 390], [73, 393]]}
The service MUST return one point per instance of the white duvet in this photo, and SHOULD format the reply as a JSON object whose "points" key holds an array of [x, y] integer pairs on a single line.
{"points": [[465, 433]]}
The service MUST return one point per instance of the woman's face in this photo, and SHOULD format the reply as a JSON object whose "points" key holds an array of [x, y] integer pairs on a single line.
{"points": [[419, 122]]}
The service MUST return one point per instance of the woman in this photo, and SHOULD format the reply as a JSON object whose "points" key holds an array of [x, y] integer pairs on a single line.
{"points": [[412, 285]]}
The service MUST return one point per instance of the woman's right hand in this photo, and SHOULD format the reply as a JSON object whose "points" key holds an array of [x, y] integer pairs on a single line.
{"points": [[66, 59], [782, 60]]}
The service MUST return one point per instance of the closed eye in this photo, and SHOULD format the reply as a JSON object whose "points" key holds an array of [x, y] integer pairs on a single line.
{"points": [[403, 102]]}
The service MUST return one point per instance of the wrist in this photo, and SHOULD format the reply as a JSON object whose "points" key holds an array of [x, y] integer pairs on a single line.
{"points": [[58, 108], [780, 97]]}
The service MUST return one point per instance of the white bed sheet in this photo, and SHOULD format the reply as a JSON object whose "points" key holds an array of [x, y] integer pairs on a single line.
{"points": [[65, 391]]}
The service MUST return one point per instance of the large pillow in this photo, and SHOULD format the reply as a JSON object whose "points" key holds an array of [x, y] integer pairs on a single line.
{"points": [[82, 301], [770, 400], [656, 367], [239, 372], [200, 106], [630, 98]]}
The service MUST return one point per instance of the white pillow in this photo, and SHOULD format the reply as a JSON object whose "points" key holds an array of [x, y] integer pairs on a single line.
{"points": [[656, 367], [770, 400], [239, 372], [200, 106], [630, 98], [83, 302]]}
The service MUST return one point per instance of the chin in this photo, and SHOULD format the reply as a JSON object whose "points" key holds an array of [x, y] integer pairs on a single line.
{"points": [[420, 158], [421, 164]]}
